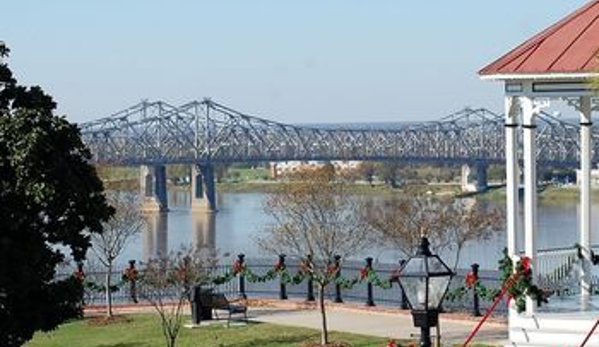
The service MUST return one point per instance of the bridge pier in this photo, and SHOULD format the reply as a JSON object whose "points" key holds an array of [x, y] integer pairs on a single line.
{"points": [[482, 182], [203, 188], [152, 185]]}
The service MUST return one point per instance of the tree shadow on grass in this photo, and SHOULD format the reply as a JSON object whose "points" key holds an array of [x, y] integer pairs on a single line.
{"points": [[260, 342], [272, 340]]}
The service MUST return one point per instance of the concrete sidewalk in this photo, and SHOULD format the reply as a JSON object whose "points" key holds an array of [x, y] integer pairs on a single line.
{"points": [[376, 321], [391, 325]]}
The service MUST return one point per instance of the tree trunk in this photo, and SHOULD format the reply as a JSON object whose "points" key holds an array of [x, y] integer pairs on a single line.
{"points": [[108, 292], [172, 340], [323, 314], [456, 262]]}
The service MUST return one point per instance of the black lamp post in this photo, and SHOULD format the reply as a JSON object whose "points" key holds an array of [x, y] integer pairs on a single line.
{"points": [[424, 278]]}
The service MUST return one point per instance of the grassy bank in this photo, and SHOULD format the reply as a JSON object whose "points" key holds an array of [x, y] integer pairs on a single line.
{"points": [[144, 331], [269, 186], [358, 188], [548, 194]]}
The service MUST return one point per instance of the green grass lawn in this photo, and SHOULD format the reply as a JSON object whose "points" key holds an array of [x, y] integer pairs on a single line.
{"points": [[145, 331]]}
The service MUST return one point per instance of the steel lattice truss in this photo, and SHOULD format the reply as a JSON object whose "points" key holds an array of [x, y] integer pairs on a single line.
{"points": [[205, 131]]}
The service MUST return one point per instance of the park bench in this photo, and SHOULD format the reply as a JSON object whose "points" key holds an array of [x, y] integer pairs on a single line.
{"points": [[219, 302]]}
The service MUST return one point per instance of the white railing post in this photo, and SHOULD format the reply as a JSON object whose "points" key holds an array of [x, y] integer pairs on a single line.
{"points": [[512, 174], [530, 187], [585, 198]]}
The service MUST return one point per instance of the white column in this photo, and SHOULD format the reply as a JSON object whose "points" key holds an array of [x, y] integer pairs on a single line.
{"points": [[585, 198], [512, 174], [530, 187]]}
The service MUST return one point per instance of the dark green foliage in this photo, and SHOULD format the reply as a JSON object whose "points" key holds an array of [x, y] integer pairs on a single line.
{"points": [[484, 292], [519, 285], [49, 196], [286, 277], [523, 282]]}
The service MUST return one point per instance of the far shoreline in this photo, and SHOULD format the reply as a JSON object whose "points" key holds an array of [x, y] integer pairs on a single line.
{"points": [[548, 194]]}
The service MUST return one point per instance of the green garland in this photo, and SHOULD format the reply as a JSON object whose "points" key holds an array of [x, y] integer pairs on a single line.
{"points": [[523, 286], [224, 278], [285, 277], [279, 271], [373, 278], [100, 288], [483, 292]]}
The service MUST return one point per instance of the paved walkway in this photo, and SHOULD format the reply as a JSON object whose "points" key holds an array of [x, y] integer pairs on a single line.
{"points": [[359, 320], [391, 325]]}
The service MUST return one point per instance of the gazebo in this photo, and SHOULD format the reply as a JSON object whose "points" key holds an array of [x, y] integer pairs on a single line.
{"points": [[555, 65]]}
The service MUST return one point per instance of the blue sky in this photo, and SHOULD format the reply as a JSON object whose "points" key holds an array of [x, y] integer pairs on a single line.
{"points": [[291, 61]]}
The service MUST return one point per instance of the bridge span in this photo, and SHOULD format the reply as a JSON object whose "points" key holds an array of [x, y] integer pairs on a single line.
{"points": [[205, 133]]}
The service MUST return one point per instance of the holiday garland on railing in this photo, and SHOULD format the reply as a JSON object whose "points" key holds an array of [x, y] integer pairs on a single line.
{"points": [[280, 271], [523, 285], [306, 270], [472, 284], [521, 288]]}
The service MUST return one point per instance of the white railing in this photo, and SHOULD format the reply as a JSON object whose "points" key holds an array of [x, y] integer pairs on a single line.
{"points": [[555, 270]]}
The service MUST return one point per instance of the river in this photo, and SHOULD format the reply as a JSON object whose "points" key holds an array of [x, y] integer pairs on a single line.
{"points": [[240, 219]]}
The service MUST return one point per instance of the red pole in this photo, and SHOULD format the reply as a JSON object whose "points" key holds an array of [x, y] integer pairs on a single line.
{"points": [[508, 284], [590, 334]]}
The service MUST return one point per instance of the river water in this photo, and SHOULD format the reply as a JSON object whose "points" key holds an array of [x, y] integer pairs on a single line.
{"points": [[241, 217]]}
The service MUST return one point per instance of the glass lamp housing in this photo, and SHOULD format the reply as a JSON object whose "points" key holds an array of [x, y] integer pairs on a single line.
{"points": [[425, 278]]}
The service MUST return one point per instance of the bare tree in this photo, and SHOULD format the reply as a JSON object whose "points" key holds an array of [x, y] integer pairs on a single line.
{"points": [[472, 221], [403, 221], [316, 217], [118, 231], [448, 223], [166, 283]]}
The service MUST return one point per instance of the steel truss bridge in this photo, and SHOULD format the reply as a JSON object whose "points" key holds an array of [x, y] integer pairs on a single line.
{"points": [[200, 132]]}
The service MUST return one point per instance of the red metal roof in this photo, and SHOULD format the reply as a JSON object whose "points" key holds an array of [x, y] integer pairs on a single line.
{"points": [[569, 46]]}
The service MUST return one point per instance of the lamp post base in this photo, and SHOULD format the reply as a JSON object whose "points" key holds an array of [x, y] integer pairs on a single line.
{"points": [[425, 337], [425, 320]]}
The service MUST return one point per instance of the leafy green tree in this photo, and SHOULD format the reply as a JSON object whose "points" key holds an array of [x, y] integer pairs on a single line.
{"points": [[51, 201]]}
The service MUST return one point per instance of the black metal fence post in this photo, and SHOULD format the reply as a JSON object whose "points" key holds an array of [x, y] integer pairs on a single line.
{"points": [[241, 260], [370, 298], [283, 288], [310, 294], [404, 299], [338, 298], [475, 298]]}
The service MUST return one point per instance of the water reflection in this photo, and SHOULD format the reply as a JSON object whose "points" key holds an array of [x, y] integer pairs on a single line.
{"points": [[204, 233], [241, 218], [155, 238]]}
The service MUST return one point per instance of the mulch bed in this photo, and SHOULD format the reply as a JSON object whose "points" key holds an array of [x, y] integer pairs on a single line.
{"points": [[103, 320]]}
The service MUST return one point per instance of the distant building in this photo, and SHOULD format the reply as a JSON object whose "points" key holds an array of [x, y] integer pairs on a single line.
{"points": [[278, 169], [594, 177]]}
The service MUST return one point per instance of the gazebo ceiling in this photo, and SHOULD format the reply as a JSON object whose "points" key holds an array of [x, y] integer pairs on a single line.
{"points": [[568, 47]]}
